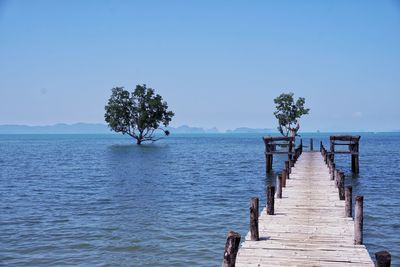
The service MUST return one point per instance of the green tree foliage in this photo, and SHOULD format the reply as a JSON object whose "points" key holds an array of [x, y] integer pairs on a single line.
{"points": [[138, 114], [288, 112]]}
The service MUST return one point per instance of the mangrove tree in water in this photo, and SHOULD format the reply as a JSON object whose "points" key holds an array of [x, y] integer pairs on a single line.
{"points": [[288, 112], [138, 114]]}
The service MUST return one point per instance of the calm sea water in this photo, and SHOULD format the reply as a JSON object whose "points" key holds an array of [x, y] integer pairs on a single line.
{"points": [[100, 200]]}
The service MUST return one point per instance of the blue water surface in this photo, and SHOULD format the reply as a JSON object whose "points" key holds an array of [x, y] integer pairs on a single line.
{"points": [[101, 200]]}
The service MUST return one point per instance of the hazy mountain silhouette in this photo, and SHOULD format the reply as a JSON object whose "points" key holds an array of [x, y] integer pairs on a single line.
{"points": [[98, 128]]}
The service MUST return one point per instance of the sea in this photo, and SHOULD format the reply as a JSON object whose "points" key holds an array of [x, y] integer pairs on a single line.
{"points": [[101, 200]]}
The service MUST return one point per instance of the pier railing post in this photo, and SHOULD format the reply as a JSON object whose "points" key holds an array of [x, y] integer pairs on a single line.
{"points": [[270, 199], [383, 259], [358, 221], [341, 186], [333, 171], [355, 163], [271, 160], [268, 163], [279, 186], [284, 177], [349, 202], [287, 167], [311, 144], [231, 249], [337, 177], [330, 166], [254, 219]]}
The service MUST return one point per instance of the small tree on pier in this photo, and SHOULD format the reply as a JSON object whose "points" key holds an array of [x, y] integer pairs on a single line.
{"points": [[288, 112], [138, 114]]}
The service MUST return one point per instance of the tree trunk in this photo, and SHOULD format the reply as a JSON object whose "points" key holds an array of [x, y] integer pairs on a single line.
{"points": [[140, 138]]}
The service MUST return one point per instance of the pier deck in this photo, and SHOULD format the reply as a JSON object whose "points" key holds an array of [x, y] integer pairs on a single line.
{"points": [[309, 227]]}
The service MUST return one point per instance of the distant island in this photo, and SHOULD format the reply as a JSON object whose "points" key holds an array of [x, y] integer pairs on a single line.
{"points": [[99, 128], [251, 130], [59, 128]]}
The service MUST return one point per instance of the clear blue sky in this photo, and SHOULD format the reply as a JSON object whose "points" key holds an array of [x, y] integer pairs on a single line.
{"points": [[217, 63]]}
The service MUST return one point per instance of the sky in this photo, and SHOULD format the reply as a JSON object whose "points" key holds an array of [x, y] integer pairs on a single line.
{"points": [[216, 63]]}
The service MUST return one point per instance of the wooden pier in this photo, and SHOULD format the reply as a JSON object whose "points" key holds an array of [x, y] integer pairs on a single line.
{"points": [[308, 222]]}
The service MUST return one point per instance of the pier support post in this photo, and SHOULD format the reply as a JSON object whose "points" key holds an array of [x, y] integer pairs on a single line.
{"points": [[383, 259], [268, 162], [311, 144], [270, 199], [355, 164], [337, 177], [279, 183], [284, 177], [358, 221], [231, 249], [349, 202], [287, 168], [354, 148], [333, 171], [254, 219], [341, 186], [332, 149], [271, 160]]}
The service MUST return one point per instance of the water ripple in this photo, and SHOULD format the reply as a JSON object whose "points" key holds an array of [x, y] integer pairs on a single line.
{"points": [[99, 200]]}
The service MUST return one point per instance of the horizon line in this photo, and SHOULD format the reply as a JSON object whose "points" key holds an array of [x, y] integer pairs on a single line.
{"points": [[205, 129]]}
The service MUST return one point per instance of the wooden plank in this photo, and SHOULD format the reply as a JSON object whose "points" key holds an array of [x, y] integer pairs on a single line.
{"points": [[278, 138], [344, 152], [353, 138]]}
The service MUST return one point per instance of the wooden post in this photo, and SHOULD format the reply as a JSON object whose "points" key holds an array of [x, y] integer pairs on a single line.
{"points": [[290, 148], [254, 219], [268, 166], [231, 249], [321, 146], [337, 177], [358, 221], [333, 171], [349, 202], [287, 167], [355, 158], [311, 144], [332, 149], [383, 259], [271, 199], [271, 159], [330, 166], [355, 164], [279, 183], [284, 176], [341, 186]]}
